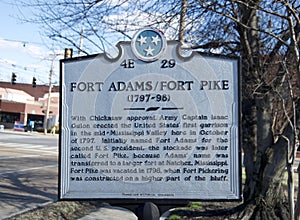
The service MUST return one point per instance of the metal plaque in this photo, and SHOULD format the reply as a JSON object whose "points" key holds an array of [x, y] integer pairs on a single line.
{"points": [[150, 124]]}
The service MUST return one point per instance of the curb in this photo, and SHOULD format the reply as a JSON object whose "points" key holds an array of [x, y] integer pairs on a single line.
{"points": [[35, 133]]}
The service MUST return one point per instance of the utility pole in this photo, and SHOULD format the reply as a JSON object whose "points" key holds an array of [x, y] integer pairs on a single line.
{"points": [[81, 40], [184, 5], [49, 98]]}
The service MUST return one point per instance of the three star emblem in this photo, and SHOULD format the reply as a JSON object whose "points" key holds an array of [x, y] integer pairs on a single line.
{"points": [[148, 44]]}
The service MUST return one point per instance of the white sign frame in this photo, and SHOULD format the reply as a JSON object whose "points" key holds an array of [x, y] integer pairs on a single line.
{"points": [[162, 130]]}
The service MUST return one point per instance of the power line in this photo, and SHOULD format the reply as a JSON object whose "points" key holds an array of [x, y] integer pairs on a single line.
{"points": [[38, 72], [14, 66], [22, 42]]}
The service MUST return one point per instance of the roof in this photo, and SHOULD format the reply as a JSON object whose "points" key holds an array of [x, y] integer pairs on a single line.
{"points": [[15, 95]]}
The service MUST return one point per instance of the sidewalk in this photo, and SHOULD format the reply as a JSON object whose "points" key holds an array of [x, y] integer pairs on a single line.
{"points": [[111, 213], [106, 212]]}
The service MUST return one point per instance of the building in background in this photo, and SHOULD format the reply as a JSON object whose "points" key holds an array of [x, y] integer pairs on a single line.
{"points": [[22, 102]]}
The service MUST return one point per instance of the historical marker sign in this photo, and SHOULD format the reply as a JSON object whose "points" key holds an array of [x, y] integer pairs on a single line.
{"points": [[150, 124]]}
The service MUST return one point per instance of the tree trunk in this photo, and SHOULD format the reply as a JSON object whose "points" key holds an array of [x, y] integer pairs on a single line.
{"points": [[265, 163], [264, 157], [264, 195]]}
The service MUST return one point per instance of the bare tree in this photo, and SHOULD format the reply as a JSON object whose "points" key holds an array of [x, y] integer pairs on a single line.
{"points": [[266, 34], [104, 22]]}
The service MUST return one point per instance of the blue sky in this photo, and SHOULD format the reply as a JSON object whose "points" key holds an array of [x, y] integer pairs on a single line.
{"points": [[23, 49]]}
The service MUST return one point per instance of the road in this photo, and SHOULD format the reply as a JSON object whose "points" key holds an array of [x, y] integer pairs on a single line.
{"points": [[28, 171]]}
